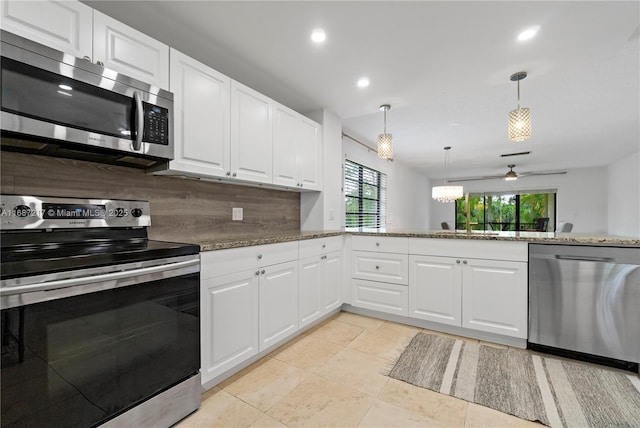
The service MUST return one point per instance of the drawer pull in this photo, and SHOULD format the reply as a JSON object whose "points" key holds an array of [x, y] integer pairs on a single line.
{"points": [[377, 267], [377, 244], [262, 271], [464, 262], [257, 272], [259, 256], [458, 261], [324, 245]]}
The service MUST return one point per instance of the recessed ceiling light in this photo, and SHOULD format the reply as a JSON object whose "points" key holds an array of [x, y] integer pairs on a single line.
{"points": [[529, 33], [363, 82], [318, 35]]}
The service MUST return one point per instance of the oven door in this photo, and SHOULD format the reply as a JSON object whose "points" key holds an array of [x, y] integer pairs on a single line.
{"points": [[75, 356]]}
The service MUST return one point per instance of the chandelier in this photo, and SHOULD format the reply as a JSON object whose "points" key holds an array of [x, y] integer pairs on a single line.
{"points": [[446, 193]]}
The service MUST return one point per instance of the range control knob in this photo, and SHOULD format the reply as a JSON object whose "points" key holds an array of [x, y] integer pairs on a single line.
{"points": [[22, 211], [136, 212]]}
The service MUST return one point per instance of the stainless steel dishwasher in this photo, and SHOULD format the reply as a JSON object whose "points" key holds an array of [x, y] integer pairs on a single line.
{"points": [[584, 302]]}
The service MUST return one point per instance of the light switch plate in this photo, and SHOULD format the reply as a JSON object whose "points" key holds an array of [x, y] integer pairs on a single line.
{"points": [[236, 214]]}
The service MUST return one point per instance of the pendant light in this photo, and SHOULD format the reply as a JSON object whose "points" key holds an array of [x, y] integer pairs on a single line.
{"points": [[520, 118], [446, 193], [385, 141], [511, 174]]}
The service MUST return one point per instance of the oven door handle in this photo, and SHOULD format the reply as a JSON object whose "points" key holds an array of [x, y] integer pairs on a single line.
{"points": [[112, 276]]}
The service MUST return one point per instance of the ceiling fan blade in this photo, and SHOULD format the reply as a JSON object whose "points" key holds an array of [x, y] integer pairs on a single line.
{"points": [[495, 177], [487, 177]]}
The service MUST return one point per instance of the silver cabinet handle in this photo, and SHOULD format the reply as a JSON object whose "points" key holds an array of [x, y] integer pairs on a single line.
{"points": [[324, 245], [73, 282], [262, 271], [586, 259], [228, 172], [100, 63], [234, 174], [257, 272], [137, 143], [377, 244], [377, 267], [464, 262], [458, 261], [259, 256]]}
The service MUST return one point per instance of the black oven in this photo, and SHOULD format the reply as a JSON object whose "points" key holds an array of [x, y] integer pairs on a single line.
{"points": [[98, 325]]}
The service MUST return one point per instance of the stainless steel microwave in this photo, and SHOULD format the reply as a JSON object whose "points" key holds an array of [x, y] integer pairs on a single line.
{"points": [[59, 105]]}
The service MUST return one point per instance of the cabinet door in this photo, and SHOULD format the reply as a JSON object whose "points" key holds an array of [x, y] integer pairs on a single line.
{"points": [[309, 154], [435, 289], [285, 147], [251, 135], [62, 25], [310, 289], [229, 322], [332, 272], [130, 52], [495, 297], [201, 117], [278, 302]]}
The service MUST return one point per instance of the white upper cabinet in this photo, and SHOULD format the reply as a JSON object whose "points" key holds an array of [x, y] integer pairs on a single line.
{"points": [[76, 29], [62, 25], [251, 134], [297, 150], [130, 52], [201, 117]]}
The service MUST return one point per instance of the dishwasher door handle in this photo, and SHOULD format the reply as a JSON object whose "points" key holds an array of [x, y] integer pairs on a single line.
{"points": [[586, 259]]}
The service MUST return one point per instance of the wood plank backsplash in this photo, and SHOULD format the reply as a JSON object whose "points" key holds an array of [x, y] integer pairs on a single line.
{"points": [[182, 210]]}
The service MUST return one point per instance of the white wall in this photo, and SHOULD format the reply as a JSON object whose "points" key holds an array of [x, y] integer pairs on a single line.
{"points": [[623, 197], [581, 197], [408, 191], [325, 210]]}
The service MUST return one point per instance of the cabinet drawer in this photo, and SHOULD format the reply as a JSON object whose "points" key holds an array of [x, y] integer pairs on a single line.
{"points": [[381, 244], [379, 296], [470, 248], [388, 267], [223, 262], [315, 247]]}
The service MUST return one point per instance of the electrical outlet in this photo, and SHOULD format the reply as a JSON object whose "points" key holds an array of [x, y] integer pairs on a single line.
{"points": [[236, 214]]}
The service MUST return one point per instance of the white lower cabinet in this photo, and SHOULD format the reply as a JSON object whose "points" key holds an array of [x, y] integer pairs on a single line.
{"points": [[380, 296], [278, 297], [494, 297], [320, 285], [468, 290], [435, 289], [229, 322]]}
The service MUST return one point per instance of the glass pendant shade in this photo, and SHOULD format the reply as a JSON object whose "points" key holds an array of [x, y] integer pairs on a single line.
{"points": [[385, 146], [446, 194], [519, 124], [385, 141]]}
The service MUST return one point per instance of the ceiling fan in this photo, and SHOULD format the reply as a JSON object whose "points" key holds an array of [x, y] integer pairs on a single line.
{"points": [[510, 175]]}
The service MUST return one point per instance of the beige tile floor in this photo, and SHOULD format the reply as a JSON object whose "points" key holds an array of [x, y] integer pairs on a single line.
{"points": [[334, 376]]}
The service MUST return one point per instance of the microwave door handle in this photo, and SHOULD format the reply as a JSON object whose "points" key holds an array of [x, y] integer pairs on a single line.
{"points": [[139, 121]]}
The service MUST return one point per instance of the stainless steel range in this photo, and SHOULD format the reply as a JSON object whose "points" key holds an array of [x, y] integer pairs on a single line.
{"points": [[100, 325]]}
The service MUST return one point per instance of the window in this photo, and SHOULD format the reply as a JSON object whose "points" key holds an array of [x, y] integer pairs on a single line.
{"points": [[508, 211], [365, 196]]}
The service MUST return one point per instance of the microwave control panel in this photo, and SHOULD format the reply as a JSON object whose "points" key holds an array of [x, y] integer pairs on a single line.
{"points": [[156, 124]]}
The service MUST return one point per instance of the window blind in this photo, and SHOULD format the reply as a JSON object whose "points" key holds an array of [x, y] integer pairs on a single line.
{"points": [[365, 191]]}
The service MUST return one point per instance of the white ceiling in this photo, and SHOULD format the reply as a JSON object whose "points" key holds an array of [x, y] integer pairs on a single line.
{"points": [[444, 67]]}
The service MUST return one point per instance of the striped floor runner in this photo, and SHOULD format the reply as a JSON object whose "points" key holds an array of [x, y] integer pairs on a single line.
{"points": [[557, 393]]}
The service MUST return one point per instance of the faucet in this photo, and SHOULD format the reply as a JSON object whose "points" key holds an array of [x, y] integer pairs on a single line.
{"points": [[467, 212]]}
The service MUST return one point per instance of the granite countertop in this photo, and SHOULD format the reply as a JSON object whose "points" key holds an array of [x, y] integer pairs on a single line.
{"points": [[247, 241], [533, 237]]}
